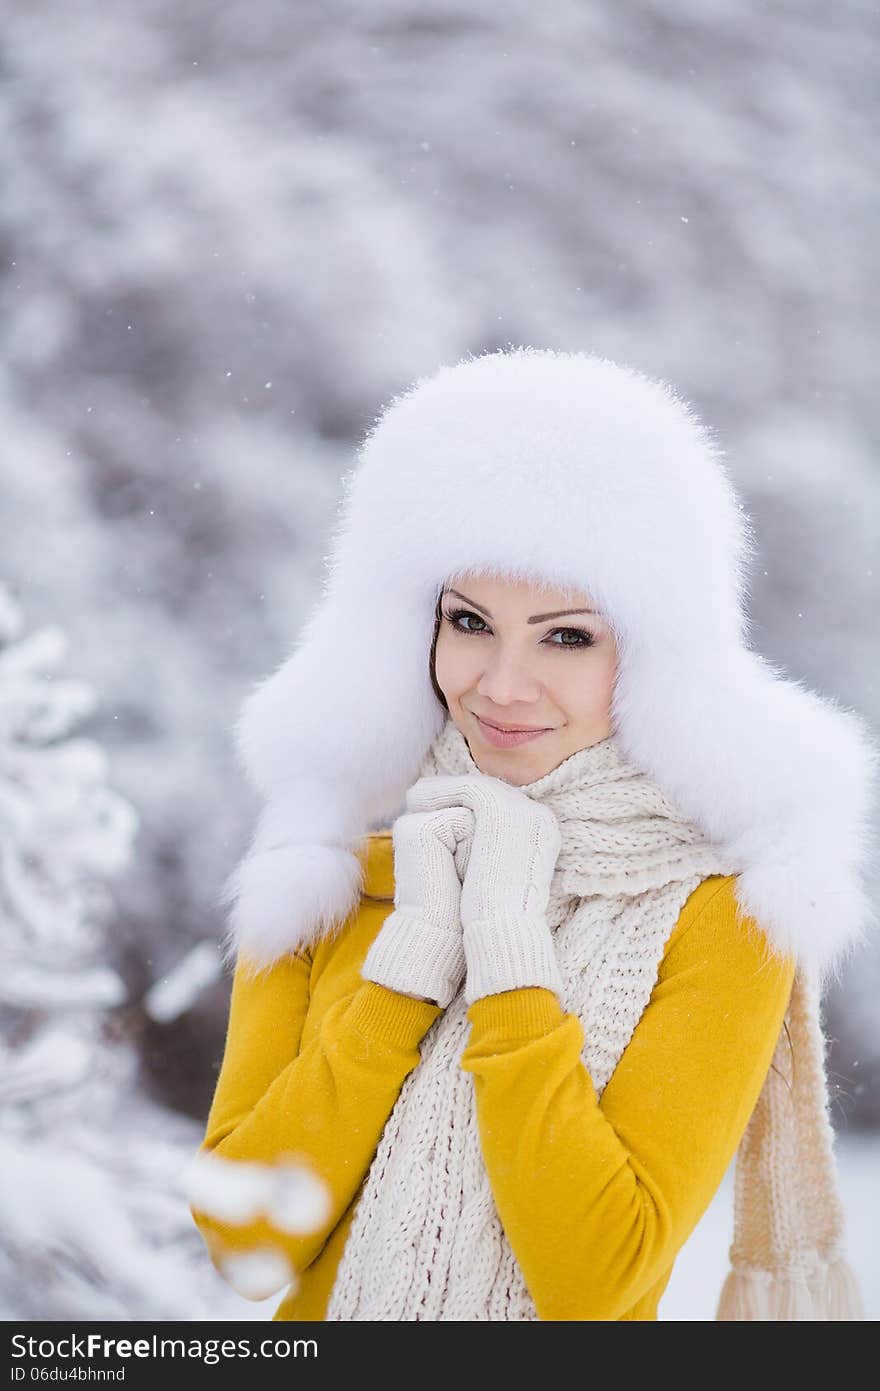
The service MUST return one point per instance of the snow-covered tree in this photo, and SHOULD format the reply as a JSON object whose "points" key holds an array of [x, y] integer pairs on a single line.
{"points": [[92, 1206]]}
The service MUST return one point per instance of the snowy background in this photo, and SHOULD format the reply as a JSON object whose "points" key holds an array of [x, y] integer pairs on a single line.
{"points": [[228, 234]]}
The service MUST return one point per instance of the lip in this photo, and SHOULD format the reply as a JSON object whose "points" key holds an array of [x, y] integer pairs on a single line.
{"points": [[504, 739]]}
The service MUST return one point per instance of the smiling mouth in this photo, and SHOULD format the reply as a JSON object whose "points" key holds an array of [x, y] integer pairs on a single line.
{"points": [[515, 728]]}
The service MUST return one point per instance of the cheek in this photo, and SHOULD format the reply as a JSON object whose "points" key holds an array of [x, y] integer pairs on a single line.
{"points": [[452, 666], [604, 677], [587, 690]]}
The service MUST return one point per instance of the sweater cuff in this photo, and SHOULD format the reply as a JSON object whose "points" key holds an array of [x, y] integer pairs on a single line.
{"points": [[508, 952], [416, 957], [527, 1013], [386, 1016]]}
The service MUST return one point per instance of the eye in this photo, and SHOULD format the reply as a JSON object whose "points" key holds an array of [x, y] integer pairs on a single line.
{"points": [[456, 614], [584, 638]]}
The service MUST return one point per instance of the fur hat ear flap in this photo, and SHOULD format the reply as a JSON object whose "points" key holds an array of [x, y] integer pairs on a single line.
{"points": [[785, 780], [356, 725], [285, 899]]}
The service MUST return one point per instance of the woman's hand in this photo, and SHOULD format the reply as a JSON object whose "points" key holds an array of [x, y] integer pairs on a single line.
{"points": [[419, 949], [503, 905]]}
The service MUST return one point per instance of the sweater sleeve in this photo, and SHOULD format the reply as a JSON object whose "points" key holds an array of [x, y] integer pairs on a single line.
{"points": [[598, 1196], [325, 1104]]}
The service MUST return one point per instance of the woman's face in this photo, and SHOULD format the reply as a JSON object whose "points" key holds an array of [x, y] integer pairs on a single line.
{"points": [[506, 654]]}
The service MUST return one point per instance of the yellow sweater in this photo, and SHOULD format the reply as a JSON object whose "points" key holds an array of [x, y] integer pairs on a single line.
{"points": [[596, 1196]]}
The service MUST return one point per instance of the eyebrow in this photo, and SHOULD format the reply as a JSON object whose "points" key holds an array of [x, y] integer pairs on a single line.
{"points": [[537, 618]]}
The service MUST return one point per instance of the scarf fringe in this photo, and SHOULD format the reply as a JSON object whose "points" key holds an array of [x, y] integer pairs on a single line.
{"points": [[832, 1293]]}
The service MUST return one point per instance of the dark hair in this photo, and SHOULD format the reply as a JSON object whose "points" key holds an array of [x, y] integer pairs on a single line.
{"points": [[438, 617], [773, 1067]]}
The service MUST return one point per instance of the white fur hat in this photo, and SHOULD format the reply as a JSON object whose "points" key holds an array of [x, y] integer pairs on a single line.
{"points": [[566, 469]]}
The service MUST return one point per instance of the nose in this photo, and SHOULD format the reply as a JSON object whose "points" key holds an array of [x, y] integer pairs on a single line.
{"points": [[506, 680]]}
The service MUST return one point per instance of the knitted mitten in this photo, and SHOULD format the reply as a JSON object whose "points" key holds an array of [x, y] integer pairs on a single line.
{"points": [[419, 950], [516, 842]]}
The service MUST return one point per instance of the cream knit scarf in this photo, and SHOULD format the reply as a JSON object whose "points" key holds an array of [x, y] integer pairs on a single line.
{"points": [[426, 1242]]}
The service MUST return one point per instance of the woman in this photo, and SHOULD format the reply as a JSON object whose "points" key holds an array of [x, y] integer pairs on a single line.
{"points": [[520, 1036]]}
